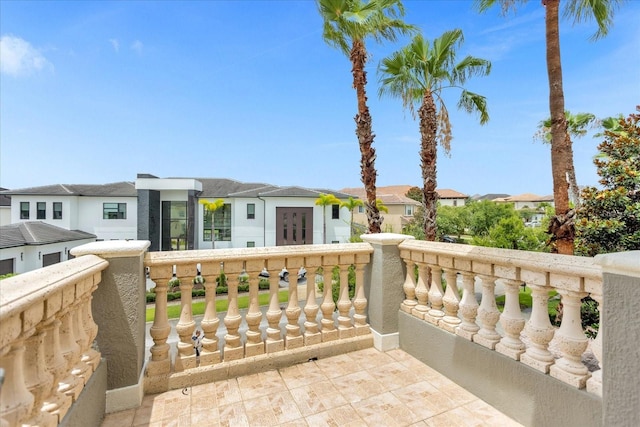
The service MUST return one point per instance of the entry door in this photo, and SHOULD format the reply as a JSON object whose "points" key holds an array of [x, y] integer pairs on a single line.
{"points": [[294, 226]]}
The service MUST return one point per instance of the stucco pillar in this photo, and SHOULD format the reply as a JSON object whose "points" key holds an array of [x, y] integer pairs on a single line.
{"points": [[119, 309], [621, 334], [383, 288]]}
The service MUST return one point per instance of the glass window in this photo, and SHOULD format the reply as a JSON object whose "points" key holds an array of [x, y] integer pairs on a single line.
{"points": [[408, 210], [360, 209], [335, 211], [24, 210], [221, 224], [251, 244], [41, 210], [251, 210], [57, 210], [114, 211], [174, 226]]}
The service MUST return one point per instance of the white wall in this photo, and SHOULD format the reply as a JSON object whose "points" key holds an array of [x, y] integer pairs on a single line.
{"points": [[32, 255], [69, 210], [90, 218], [5, 215], [452, 202]]}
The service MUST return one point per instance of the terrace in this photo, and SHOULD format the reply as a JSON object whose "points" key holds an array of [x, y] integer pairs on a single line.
{"points": [[422, 335]]}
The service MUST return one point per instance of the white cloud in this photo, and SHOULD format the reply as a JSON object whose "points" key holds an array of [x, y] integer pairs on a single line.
{"points": [[137, 46], [116, 44], [18, 57]]}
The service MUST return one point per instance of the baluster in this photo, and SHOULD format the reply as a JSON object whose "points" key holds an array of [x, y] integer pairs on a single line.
{"points": [[91, 356], [422, 293], [329, 331], [360, 303], [409, 288], [80, 368], [210, 354], [185, 356], [38, 380], [435, 314], [312, 333], [512, 322], [56, 402], [571, 341], [274, 341], [451, 302], [345, 327], [160, 362], [594, 384], [468, 308], [16, 402], [293, 338], [539, 331], [72, 384], [488, 314], [233, 349], [254, 345]]}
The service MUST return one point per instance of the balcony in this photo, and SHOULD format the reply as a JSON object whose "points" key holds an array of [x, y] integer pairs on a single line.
{"points": [[420, 341]]}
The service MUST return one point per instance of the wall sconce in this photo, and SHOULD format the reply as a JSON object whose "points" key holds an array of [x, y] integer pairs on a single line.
{"points": [[21, 256], [65, 251], [39, 255]]}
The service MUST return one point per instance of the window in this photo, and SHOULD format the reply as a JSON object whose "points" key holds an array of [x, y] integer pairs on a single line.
{"points": [[221, 224], [41, 212], [57, 210], [360, 209], [408, 210], [114, 211], [455, 203], [174, 226], [251, 210], [24, 210], [335, 211], [251, 244]]}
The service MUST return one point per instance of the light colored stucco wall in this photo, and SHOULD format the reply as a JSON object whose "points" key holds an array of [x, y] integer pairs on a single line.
{"points": [[28, 258], [90, 218]]}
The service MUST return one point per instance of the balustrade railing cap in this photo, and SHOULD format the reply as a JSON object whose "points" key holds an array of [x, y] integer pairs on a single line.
{"points": [[623, 263], [112, 248], [385, 238]]}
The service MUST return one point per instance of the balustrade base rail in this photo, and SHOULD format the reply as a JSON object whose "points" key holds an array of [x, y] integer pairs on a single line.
{"points": [[254, 364]]}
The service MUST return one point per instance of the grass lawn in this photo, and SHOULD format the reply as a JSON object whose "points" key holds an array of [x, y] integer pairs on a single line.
{"points": [[173, 311]]}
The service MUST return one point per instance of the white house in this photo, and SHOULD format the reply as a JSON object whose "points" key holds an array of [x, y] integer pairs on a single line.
{"points": [[30, 245]]}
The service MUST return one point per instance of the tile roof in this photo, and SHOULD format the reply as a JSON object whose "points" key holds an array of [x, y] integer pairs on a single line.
{"points": [[37, 233], [115, 189], [396, 194], [5, 200]]}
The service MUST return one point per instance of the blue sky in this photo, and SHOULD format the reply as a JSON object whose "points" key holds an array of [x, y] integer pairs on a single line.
{"points": [[96, 92]]}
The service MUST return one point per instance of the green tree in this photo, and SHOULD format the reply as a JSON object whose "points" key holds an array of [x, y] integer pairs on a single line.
{"points": [[510, 233], [485, 214], [415, 193], [562, 226], [576, 127], [452, 220], [351, 204], [325, 200], [418, 74], [209, 213], [346, 26], [609, 219]]}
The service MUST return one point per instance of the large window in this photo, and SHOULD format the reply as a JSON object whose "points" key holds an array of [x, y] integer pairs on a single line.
{"points": [[174, 226], [335, 211], [24, 210], [41, 210], [251, 210], [57, 210], [408, 210], [114, 211], [221, 224]]}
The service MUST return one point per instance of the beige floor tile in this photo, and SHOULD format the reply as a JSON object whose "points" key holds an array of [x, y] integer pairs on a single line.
{"points": [[256, 385], [317, 397], [369, 358], [385, 409], [119, 419], [336, 366], [228, 392], [336, 417], [233, 415], [358, 386], [278, 406], [489, 415], [302, 374], [394, 375]]}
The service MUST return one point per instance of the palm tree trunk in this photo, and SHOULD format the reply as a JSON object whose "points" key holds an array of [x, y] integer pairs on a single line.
{"points": [[365, 135], [428, 155], [574, 190], [562, 224]]}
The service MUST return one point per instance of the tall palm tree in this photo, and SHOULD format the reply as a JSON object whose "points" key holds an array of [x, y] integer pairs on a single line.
{"points": [[561, 226], [210, 209], [346, 26], [418, 74], [576, 127], [351, 204], [325, 200]]}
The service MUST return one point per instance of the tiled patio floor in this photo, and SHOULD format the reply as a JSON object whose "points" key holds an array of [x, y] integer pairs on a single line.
{"points": [[363, 388]]}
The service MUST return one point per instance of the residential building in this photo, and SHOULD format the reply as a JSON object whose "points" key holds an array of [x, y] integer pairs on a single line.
{"points": [[529, 201], [5, 208]]}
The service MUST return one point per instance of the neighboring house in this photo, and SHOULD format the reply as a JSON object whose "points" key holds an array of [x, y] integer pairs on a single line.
{"points": [[5, 208], [401, 208], [528, 201], [109, 211], [30, 245]]}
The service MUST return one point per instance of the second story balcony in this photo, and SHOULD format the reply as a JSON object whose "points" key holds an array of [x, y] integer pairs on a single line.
{"points": [[75, 346]]}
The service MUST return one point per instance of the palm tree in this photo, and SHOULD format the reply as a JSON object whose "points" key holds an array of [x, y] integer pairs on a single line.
{"points": [[561, 226], [346, 25], [576, 127], [210, 208], [418, 74], [351, 204], [325, 200]]}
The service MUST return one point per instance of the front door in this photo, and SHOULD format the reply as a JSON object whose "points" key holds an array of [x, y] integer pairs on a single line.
{"points": [[294, 226]]}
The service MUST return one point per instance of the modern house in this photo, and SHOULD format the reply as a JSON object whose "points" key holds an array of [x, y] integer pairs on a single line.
{"points": [[529, 201], [30, 245], [5, 208]]}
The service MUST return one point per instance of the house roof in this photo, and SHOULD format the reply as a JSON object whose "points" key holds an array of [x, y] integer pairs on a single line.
{"points": [[396, 194], [526, 197], [490, 196], [115, 189], [37, 233], [4, 199], [446, 193]]}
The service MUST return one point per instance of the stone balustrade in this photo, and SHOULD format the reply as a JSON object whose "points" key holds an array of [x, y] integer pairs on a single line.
{"points": [[46, 340], [320, 321], [463, 270]]}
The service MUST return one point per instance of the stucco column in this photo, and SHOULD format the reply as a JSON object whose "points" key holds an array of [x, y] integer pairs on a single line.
{"points": [[119, 308], [621, 335], [383, 283]]}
